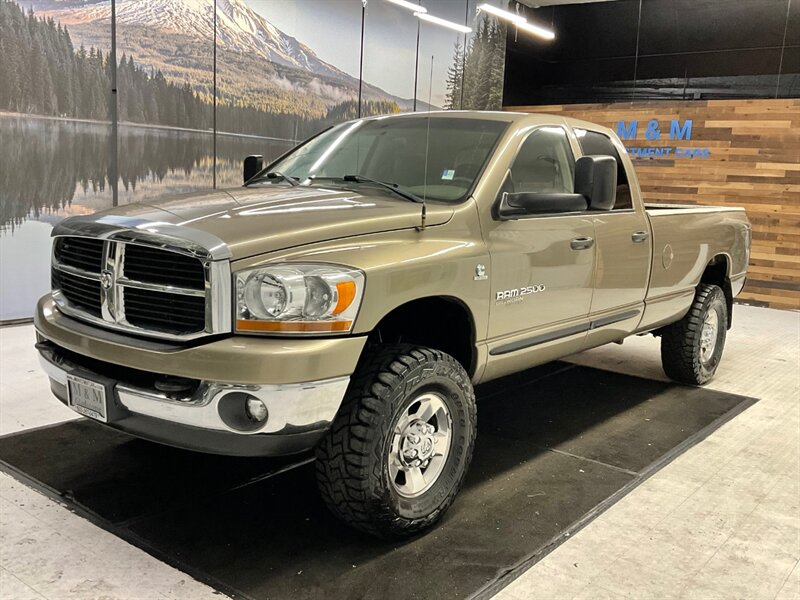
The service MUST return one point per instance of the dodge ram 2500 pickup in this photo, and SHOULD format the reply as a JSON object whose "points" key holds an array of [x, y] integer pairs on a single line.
{"points": [[347, 298]]}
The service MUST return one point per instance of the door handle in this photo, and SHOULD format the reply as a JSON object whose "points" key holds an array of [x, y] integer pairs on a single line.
{"points": [[639, 236], [581, 243]]}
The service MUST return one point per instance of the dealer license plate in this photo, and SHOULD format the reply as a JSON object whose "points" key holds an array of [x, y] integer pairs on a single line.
{"points": [[87, 397]]}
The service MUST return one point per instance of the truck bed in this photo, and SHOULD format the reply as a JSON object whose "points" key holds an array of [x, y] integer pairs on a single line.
{"points": [[686, 238]]}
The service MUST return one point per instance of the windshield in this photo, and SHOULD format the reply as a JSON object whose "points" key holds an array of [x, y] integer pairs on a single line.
{"points": [[433, 158]]}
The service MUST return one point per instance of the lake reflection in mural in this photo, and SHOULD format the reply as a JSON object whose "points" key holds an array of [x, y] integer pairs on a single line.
{"points": [[56, 168]]}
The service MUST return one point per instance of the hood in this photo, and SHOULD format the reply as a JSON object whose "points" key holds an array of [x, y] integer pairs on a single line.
{"points": [[258, 220]]}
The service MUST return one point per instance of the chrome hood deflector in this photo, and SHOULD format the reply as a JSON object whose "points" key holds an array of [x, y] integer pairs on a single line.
{"points": [[200, 244]]}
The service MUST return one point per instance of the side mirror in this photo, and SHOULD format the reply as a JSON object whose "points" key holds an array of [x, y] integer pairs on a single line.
{"points": [[252, 166], [539, 203], [596, 180]]}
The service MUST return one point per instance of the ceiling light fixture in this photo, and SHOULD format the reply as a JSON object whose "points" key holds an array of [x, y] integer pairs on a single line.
{"points": [[442, 22], [518, 20], [409, 5], [537, 30], [503, 14]]}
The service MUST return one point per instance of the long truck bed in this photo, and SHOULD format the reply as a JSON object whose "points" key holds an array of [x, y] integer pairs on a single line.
{"points": [[685, 238]]}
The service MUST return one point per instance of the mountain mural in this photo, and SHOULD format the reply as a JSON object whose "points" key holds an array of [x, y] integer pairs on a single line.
{"points": [[259, 66]]}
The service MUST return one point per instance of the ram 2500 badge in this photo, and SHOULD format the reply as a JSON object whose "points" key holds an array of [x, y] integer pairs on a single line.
{"points": [[347, 298]]}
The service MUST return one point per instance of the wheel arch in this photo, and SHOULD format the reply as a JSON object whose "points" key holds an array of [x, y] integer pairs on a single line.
{"points": [[718, 272], [442, 322]]}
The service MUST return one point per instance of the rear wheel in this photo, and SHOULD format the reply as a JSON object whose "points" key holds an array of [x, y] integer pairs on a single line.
{"points": [[691, 348], [400, 446]]}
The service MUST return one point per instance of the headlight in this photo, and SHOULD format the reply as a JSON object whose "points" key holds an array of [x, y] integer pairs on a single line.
{"points": [[298, 298]]}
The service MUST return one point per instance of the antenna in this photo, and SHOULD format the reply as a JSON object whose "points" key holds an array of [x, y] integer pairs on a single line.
{"points": [[427, 147]]}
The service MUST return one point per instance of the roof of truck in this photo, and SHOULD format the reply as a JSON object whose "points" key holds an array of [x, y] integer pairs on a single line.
{"points": [[529, 118]]}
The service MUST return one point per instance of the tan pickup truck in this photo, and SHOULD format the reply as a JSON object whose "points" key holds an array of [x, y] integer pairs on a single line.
{"points": [[347, 298]]}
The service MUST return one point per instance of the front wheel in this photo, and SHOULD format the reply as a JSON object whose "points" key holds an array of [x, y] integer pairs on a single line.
{"points": [[691, 348], [398, 450]]}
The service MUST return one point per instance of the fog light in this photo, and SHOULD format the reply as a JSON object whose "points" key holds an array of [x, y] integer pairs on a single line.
{"points": [[242, 411], [256, 411]]}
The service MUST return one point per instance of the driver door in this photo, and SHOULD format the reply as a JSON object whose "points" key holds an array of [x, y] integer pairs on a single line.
{"points": [[542, 265]]}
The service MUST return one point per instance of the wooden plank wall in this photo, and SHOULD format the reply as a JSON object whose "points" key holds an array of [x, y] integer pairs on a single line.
{"points": [[754, 162]]}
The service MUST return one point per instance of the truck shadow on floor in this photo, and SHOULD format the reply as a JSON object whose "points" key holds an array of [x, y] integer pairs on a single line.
{"points": [[554, 443]]}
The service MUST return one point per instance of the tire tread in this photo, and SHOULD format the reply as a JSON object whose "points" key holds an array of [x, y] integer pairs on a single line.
{"points": [[679, 355], [344, 462]]}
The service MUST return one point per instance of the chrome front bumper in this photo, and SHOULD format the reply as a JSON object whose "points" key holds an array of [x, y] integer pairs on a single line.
{"points": [[297, 414]]}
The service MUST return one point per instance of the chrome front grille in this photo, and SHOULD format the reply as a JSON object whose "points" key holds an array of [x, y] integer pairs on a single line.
{"points": [[154, 265], [166, 311], [82, 293], [81, 253], [147, 289]]}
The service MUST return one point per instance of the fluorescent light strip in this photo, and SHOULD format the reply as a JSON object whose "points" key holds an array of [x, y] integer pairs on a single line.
{"points": [[503, 14], [409, 5], [518, 20], [443, 22], [536, 30]]}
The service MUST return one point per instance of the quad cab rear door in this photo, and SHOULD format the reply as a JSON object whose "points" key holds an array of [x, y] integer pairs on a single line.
{"points": [[623, 241]]}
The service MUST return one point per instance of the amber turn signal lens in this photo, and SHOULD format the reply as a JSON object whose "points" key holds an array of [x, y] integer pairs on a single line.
{"points": [[347, 293], [293, 326]]}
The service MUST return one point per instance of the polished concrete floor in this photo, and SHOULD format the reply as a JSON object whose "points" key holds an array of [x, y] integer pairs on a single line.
{"points": [[722, 521]]}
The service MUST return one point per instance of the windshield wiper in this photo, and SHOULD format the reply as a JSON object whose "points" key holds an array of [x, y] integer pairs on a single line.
{"points": [[275, 175], [392, 187], [389, 186]]}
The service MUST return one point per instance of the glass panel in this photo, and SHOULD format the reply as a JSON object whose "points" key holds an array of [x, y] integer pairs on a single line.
{"points": [[441, 59], [165, 110], [286, 69], [790, 73], [678, 26], [544, 164], [390, 42], [484, 63], [434, 158], [790, 65], [585, 31], [54, 137]]}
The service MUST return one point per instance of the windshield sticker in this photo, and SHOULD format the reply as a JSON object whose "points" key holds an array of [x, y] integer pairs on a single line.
{"points": [[448, 174]]}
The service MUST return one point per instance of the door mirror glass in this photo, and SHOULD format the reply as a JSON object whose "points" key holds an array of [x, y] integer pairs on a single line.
{"points": [[596, 180], [253, 164]]}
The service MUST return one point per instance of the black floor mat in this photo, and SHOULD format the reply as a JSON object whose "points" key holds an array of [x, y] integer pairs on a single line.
{"points": [[556, 445]]}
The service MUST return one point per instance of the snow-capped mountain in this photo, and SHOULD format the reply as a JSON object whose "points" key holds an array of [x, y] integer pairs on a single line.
{"points": [[258, 64], [239, 28]]}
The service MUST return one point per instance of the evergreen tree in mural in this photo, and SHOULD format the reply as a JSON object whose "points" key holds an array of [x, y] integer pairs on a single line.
{"points": [[455, 77], [43, 74], [479, 69], [349, 109]]}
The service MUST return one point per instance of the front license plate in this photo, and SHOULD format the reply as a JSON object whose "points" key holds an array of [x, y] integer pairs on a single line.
{"points": [[87, 397]]}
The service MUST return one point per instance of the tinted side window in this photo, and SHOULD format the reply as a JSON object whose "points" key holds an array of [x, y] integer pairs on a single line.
{"points": [[544, 164], [593, 143]]}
